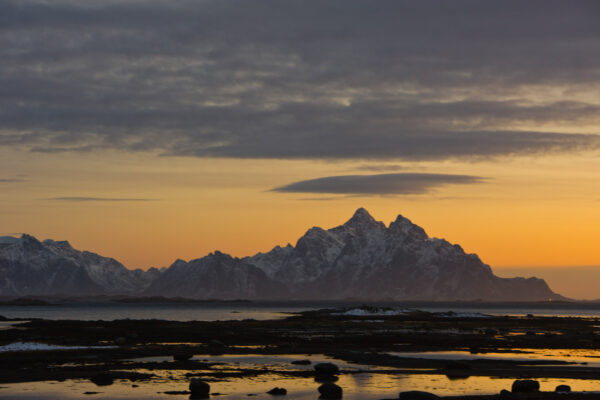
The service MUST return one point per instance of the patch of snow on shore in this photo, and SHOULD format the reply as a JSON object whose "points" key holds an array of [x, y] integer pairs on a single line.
{"points": [[32, 346], [452, 314], [374, 311]]}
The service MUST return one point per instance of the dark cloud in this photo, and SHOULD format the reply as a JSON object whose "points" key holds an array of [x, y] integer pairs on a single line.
{"points": [[380, 184], [271, 79], [98, 199]]}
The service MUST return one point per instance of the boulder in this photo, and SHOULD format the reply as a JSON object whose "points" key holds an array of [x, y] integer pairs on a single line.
{"points": [[525, 386], [417, 395], [563, 388], [330, 391], [326, 368], [199, 389], [102, 379], [182, 356], [277, 391]]}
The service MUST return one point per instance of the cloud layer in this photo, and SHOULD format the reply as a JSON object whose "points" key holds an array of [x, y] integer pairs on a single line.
{"points": [[380, 184], [320, 80]]}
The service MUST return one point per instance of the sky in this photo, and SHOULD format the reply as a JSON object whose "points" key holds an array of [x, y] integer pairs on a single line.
{"points": [[154, 130]]}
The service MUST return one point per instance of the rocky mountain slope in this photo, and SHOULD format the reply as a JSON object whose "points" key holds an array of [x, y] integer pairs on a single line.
{"points": [[365, 259], [31, 267], [361, 259], [216, 276]]}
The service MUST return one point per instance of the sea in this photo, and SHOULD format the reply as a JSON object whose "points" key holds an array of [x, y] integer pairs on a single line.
{"points": [[107, 310]]}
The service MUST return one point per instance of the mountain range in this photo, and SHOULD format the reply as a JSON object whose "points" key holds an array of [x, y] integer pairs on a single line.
{"points": [[361, 259]]}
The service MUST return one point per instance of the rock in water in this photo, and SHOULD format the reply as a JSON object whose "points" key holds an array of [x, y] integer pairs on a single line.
{"points": [[326, 368], [277, 391], [525, 386], [102, 379], [563, 388], [199, 389], [330, 391], [182, 356], [417, 395]]}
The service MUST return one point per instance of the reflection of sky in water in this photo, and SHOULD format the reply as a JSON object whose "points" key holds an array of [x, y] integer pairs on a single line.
{"points": [[357, 386], [361, 386], [591, 358]]}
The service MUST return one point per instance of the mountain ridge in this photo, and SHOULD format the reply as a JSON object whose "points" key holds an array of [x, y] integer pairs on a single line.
{"points": [[362, 258]]}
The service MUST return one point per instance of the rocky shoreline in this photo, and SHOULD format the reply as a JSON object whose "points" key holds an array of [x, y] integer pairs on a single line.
{"points": [[373, 343]]}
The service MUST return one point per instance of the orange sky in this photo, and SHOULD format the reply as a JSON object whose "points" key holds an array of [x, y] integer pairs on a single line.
{"points": [[528, 212]]}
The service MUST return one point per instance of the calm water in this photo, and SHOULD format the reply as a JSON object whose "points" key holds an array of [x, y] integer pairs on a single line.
{"points": [[105, 310], [367, 383]]}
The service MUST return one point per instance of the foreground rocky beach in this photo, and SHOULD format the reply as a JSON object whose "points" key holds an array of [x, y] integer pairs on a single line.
{"points": [[354, 353]]}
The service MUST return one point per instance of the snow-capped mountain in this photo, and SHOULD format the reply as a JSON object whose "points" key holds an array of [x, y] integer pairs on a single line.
{"points": [[365, 259], [361, 259], [216, 276], [31, 267]]}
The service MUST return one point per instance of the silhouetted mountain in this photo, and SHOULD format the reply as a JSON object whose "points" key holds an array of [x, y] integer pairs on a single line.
{"points": [[362, 258]]}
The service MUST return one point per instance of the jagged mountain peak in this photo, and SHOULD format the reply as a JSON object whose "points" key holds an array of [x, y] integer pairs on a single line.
{"points": [[403, 226], [362, 219], [59, 243]]}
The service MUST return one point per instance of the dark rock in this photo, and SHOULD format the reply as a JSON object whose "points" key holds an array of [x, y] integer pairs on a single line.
{"points": [[530, 333], [490, 331], [456, 375], [102, 379], [563, 388], [506, 394], [330, 391], [326, 368], [301, 362], [91, 392], [177, 392], [458, 365], [277, 391], [182, 356], [322, 378], [417, 395], [199, 389], [525, 386], [120, 341]]}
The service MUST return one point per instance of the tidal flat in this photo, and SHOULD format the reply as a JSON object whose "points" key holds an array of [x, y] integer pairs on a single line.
{"points": [[379, 353]]}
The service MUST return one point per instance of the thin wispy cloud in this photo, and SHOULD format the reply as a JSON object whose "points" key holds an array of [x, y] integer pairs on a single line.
{"points": [[12, 180], [424, 80], [99, 199], [379, 168], [380, 184]]}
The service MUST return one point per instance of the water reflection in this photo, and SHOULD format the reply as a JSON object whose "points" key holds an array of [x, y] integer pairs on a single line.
{"points": [[587, 357], [359, 382], [359, 386]]}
